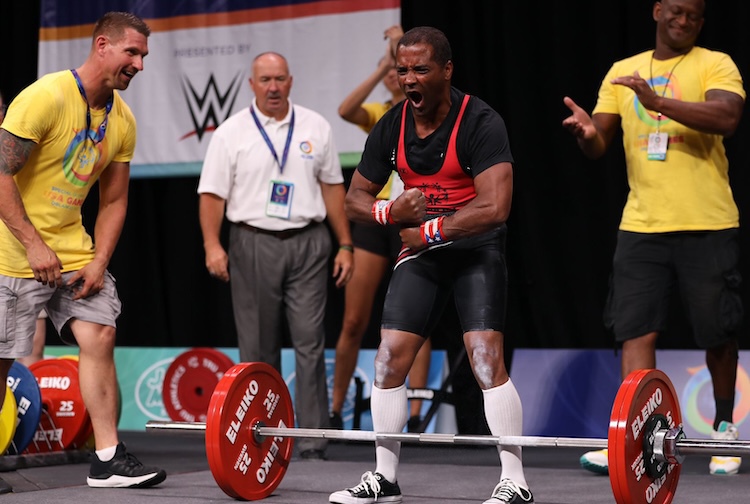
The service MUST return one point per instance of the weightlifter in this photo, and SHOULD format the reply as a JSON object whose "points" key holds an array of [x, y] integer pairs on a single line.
{"points": [[452, 152], [62, 134]]}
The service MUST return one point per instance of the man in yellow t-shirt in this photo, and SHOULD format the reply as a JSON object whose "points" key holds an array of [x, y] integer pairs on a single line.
{"points": [[679, 228], [62, 134]]}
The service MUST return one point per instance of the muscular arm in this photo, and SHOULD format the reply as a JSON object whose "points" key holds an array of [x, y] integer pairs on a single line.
{"points": [[333, 196], [490, 208], [110, 219], [211, 216], [719, 115], [14, 152], [360, 197], [408, 209]]}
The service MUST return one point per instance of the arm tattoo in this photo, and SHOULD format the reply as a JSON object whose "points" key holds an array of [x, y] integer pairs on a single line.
{"points": [[14, 152]]}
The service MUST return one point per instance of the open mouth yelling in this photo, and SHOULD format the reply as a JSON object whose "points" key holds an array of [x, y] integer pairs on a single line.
{"points": [[415, 98]]}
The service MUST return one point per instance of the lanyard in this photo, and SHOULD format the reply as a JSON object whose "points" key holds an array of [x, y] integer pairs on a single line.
{"points": [[664, 91], [102, 129], [270, 144]]}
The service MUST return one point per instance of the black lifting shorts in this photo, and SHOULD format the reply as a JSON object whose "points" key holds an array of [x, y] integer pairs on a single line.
{"points": [[472, 271]]}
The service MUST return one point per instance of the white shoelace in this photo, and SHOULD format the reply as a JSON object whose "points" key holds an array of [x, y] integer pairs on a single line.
{"points": [[369, 483], [506, 489]]}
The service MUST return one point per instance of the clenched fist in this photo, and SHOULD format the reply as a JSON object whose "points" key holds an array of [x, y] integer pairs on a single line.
{"points": [[410, 207]]}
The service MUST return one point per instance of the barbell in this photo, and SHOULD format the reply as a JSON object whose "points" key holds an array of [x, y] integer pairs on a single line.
{"points": [[249, 436]]}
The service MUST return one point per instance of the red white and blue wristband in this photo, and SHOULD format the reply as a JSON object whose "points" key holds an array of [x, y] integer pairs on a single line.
{"points": [[432, 231], [381, 212]]}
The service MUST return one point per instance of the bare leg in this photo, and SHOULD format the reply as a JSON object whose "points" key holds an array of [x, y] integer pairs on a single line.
{"points": [[359, 298], [37, 352], [722, 365], [98, 378], [639, 353]]}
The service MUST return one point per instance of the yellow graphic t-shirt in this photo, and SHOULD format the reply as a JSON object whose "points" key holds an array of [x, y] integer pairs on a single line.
{"points": [[63, 166], [689, 191]]}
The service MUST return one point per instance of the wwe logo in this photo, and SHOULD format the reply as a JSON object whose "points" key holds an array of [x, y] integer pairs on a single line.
{"points": [[211, 108]]}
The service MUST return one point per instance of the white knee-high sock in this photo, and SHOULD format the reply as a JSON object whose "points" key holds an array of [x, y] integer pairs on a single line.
{"points": [[390, 412], [504, 413]]}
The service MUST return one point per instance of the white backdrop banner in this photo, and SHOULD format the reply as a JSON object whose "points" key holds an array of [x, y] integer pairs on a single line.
{"points": [[196, 74]]}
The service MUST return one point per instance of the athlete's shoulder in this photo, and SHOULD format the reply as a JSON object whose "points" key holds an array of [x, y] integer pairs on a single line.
{"points": [[481, 114]]}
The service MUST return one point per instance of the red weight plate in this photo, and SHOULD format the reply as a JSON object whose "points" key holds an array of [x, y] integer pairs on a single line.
{"points": [[643, 393], [190, 381], [615, 443], [243, 466], [65, 422], [220, 356]]}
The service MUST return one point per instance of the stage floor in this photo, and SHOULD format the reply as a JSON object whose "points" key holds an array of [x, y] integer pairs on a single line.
{"points": [[428, 474]]}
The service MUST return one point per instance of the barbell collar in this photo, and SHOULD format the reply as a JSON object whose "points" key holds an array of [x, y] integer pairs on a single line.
{"points": [[665, 445]]}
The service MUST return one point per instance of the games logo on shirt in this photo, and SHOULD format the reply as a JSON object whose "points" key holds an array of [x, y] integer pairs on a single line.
{"points": [[306, 148], [663, 85], [82, 158]]}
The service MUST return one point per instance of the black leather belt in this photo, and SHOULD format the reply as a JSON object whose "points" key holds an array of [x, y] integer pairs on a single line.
{"points": [[281, 235]]}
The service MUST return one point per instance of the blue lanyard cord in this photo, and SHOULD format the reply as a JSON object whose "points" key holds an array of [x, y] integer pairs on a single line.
{"points": [[102, 129], [285, 155]]}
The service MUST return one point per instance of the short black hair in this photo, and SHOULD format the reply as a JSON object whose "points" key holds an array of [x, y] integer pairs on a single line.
{"points": [[441, 52]]}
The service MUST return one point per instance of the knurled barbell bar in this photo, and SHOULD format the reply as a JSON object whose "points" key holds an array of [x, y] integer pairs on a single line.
{"points": [[249, 438]]}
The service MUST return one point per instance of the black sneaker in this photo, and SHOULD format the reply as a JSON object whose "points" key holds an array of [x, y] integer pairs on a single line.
{"points": [[336, 421], [374, 488], [123, 471], [508, 492]]}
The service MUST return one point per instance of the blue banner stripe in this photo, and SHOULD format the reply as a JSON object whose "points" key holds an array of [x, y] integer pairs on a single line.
{"points": [[62, 13]]}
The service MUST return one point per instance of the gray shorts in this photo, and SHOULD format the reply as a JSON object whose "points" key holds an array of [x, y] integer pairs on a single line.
{"points": [[21, 300]]}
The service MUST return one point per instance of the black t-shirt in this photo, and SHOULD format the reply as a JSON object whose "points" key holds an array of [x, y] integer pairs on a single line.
{"points": [[482, 141]]}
